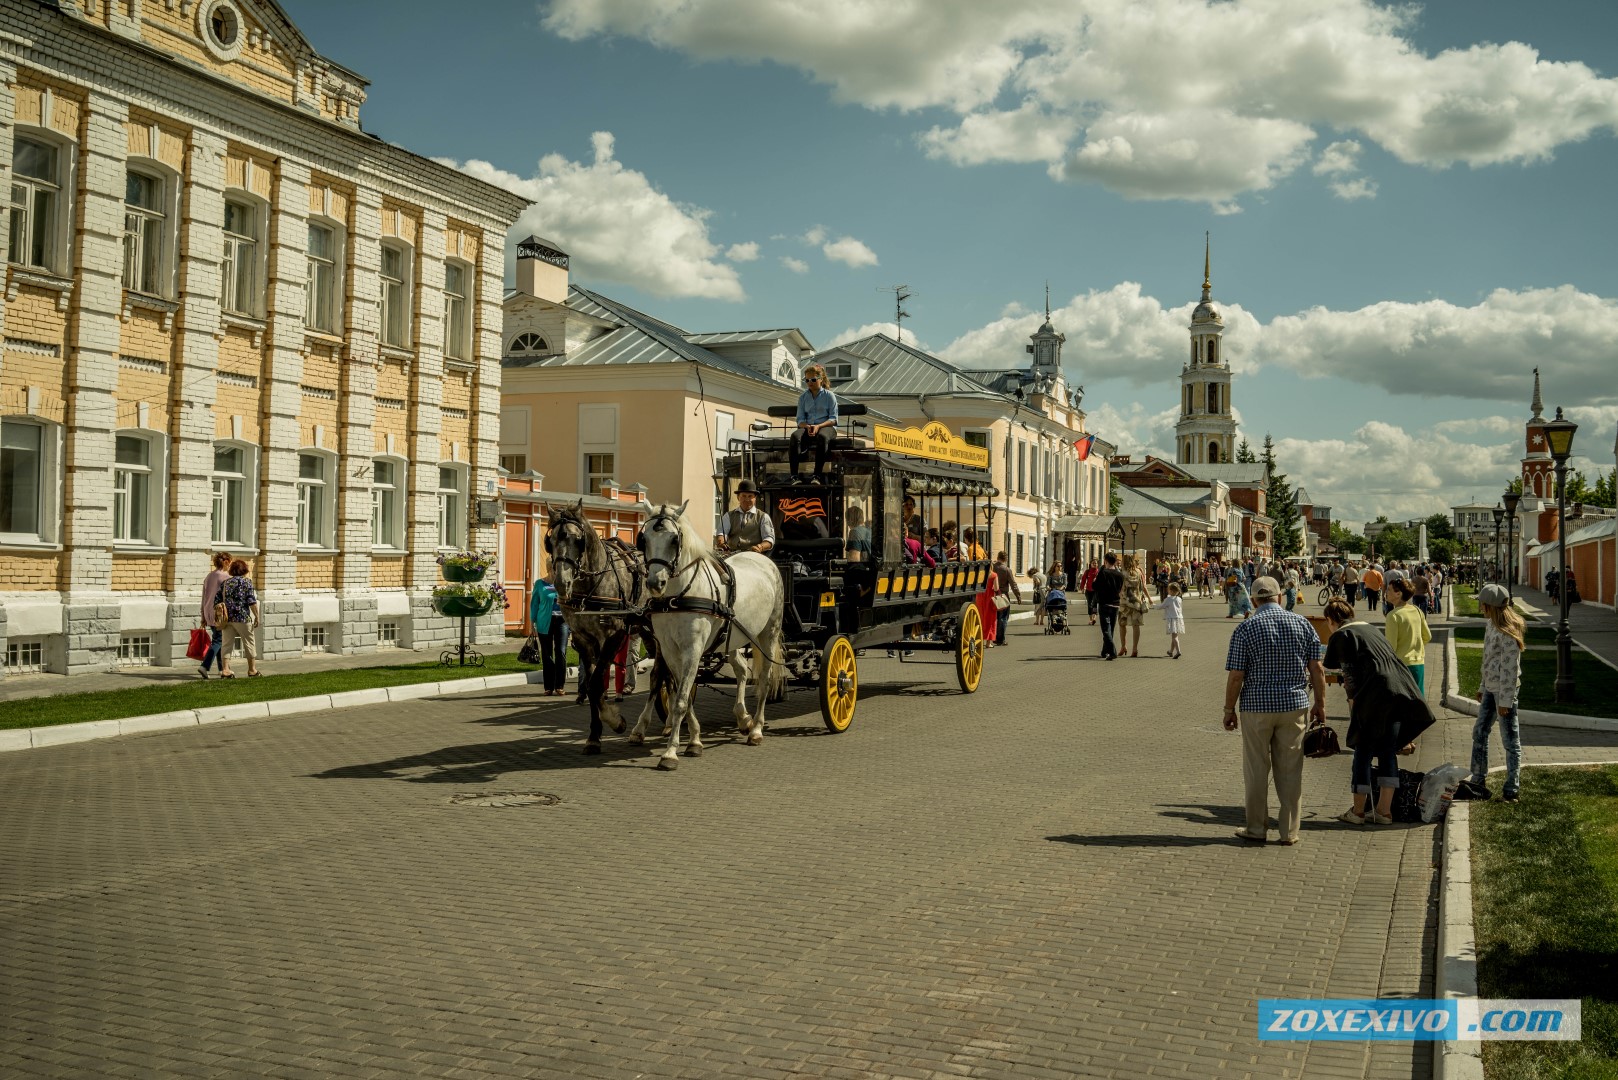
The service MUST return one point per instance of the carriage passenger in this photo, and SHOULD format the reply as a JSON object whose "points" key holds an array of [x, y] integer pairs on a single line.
{"points": [[746, 528], [935, 546], [914, 551], [857, 546], [817, 423]]}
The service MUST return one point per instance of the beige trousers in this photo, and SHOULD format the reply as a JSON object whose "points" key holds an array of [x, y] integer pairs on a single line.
{"points": [[1273, 740]]}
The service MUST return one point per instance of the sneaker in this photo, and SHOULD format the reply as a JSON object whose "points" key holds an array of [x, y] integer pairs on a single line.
{"points": [[1379, 819], [1509, 796], [203, 672], [1349, 817], [1243, 834]]}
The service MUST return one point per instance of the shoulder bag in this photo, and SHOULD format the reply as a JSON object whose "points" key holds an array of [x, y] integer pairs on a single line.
{"points": [[1320, 740]]}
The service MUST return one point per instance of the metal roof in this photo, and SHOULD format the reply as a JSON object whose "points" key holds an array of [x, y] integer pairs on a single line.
{"points": [[742, 337], [1084, 524], [1135, 502], [900, 371], [1232, 472]]}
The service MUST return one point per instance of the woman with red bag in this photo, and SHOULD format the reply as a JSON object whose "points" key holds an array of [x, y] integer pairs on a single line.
{"points": [[210, 597]]}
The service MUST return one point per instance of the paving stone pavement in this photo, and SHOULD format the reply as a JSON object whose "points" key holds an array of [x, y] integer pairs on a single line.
{"points": [[1038, 880]]}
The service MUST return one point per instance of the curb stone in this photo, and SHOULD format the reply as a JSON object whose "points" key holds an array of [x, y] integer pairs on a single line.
{"points": [[61, 734], [1455, 960]]}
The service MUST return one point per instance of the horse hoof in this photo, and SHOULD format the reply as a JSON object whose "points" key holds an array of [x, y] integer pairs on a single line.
{"points": [[693, 750], [637, 739], [667, 730], [755, 740], [668, 764], [618, 728], [592, 748]]}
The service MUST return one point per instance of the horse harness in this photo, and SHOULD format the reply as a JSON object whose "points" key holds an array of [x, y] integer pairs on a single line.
{"points": [[629, 603], [723, 610]]}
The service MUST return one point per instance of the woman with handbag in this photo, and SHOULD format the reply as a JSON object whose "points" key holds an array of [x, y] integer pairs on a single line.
{"points": [[1005, 587], [548, 623], [1133, 606], [1386, 710], [211, 603]]}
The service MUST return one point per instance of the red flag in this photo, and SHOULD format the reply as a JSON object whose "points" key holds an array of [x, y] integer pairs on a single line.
{"points": [[1083, 446]]}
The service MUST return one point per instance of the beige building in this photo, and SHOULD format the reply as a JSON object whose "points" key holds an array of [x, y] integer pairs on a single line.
{"points": [[232, 321], [1028, 419], [595, 391]]}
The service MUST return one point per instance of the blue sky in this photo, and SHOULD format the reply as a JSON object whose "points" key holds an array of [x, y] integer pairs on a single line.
{"points": [[1408, 210]]}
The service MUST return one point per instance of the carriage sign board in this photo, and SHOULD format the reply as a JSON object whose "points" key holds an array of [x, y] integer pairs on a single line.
{"points": [[935, 441]]}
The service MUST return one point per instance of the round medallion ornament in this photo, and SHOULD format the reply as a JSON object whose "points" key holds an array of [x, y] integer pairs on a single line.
{"points": [[223, 31]]}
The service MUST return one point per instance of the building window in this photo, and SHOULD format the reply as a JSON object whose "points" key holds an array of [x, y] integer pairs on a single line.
{"points": [[457, 327], [514, 463], [1019, 563], [1022, 467], [1213, 453], [598, 446], [451, 506], [24, 448], [36, 183], [839, 373], [314, 638], [25, 657], [1213, 350], [597, 469], [144, 233], [316, 489], [387, 634], [395, 296], [232, 487], [238, 274], [387, 503], [978, 438], [136, 490], [527, 344], [135, 650], [320, 292]]}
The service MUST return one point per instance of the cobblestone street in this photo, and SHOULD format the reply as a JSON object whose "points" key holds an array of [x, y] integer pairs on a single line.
{"points": [[1035, 881]]}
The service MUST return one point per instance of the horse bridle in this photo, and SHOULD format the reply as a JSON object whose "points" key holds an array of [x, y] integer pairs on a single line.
{"points": [[675, 570]]}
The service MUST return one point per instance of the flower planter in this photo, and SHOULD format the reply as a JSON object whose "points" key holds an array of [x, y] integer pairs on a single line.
{"points": [[463, 573], [463, 607]]}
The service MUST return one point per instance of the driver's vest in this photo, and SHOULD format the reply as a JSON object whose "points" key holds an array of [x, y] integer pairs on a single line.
{"points": [[745, 529]]}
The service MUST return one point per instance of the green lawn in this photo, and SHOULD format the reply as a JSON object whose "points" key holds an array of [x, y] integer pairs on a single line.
{"points": [[197, 694], [1464, 599], [1545, 904], [1595, 685], [1536, 635]]}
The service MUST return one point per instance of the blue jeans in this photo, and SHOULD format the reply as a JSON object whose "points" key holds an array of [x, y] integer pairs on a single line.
{"points": [[215, 654], [1292, 598], [1000, 625], [1109, 627], [1510, 735], [1386, 752]]}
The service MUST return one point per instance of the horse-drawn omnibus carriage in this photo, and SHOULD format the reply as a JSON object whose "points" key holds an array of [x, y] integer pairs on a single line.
{"points": [[840, 600]]}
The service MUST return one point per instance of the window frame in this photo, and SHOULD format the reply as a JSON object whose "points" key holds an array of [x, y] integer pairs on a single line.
{"points": [[55, 262], [517, 348], [167, 217], [230, 256], [248, 508], [457, 536], [325, 489], [153, 473], [392, 518], [338, 263], [595, 447], [461, 340], [406, 284], [48, 485]]}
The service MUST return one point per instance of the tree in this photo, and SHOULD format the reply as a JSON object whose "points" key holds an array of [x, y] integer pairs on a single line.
{"points": [[1602, 494], [1280, 504], [1439, 527], [1344, 540], [1245, 455], [1515, 487], [1114, 500], [1443, 550], [1396, 542]]}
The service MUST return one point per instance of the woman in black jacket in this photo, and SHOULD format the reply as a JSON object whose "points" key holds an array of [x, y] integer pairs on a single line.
{"points": [[1386, 710]]}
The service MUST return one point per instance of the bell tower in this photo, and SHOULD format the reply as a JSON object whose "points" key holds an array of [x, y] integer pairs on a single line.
{"points": [[1047, 345], [1537, 480], [1206, 431]]}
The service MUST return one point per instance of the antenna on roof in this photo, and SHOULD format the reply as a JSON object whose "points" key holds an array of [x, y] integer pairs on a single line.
{"points": [[901, 293]]}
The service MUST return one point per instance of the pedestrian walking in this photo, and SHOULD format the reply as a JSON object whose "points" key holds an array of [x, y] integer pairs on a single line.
{"points": [[1503, 643], [242, 619], [1036, 581], [1386, 711], [1371, 584], [1407, 631], [1109, 590], [1237, 598], [1088, 584], [1005, 588], [1173, 618], [1423, 585], [211, 585], [1134, 605], [548, 626], [1273, 665], [1291, 587], [1070, 563]]}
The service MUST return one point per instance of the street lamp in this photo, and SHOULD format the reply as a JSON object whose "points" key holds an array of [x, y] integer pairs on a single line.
{"points": [[1511, 498], [1133, 546], [1559, 433], [1163, 544], [1499, 514]]}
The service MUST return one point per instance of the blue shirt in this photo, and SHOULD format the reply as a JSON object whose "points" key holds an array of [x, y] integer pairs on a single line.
{"points": [[816, 408], [541, 605], [1274, 648]]}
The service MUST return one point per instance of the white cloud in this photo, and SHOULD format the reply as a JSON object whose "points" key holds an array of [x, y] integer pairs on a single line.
{"points": [[1127, 93], [849, 251], [1341, 160], [797, 266], [815, 236], [1490, 425], [616, 226], [1361, 187], [857, 332], [747, 252]]}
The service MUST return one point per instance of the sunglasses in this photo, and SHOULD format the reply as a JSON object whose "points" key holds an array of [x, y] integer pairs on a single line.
{"points": [[812, 378]]}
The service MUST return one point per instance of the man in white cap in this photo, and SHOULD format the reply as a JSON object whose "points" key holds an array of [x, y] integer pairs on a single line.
{"points": [[1273, 664]]}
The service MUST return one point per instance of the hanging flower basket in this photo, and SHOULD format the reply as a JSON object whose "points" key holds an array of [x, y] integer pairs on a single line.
{"points": [[467, 600], [454, 572], [465, 566]]}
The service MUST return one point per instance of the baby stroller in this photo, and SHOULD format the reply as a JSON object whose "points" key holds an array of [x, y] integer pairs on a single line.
{"points": [[1056, 612]]}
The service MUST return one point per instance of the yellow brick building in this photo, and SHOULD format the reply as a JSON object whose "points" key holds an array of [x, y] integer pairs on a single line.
{"points": [[232, 321]]}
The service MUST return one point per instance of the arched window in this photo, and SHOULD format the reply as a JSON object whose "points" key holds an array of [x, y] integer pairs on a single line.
{"points": [[528, 344], [1213, 398], [1213, 453], [1213, 350]]}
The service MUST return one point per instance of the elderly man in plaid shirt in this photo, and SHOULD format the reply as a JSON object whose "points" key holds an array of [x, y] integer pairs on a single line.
{"points": [[1274, 661]]}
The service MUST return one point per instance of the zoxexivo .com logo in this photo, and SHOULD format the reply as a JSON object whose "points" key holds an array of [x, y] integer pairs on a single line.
{"points": [[1345, 1020]]}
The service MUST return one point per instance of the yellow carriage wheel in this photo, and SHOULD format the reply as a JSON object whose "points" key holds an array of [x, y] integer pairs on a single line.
{"points": [[969, 648], [839, 684]]}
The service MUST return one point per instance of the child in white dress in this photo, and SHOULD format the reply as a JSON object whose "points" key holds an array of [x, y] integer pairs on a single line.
{"points": [[1173, 619]]}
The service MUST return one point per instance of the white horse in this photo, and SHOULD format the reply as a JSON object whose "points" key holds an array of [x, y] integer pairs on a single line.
{"points": [[700, 604]]}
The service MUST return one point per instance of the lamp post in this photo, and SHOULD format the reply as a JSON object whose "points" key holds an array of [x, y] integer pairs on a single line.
{"points": [[1511, 498], [988, 512], [1559, 433], [1499, 515], [1163, 544], [1133, 546]]}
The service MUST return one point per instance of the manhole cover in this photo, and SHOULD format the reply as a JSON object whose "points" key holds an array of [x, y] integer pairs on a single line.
{"points": [[505, 798]]}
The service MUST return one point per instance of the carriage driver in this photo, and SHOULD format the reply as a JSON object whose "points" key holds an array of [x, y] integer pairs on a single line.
{"points": [[746, 528]]}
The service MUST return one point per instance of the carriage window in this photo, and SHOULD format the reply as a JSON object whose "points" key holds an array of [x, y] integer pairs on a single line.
{"points": [[859, 518], [892, 538]]}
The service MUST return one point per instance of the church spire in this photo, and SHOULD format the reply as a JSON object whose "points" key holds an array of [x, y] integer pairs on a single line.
{"points": [[1047, 301], [1539, 405], [1207, 280]]}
